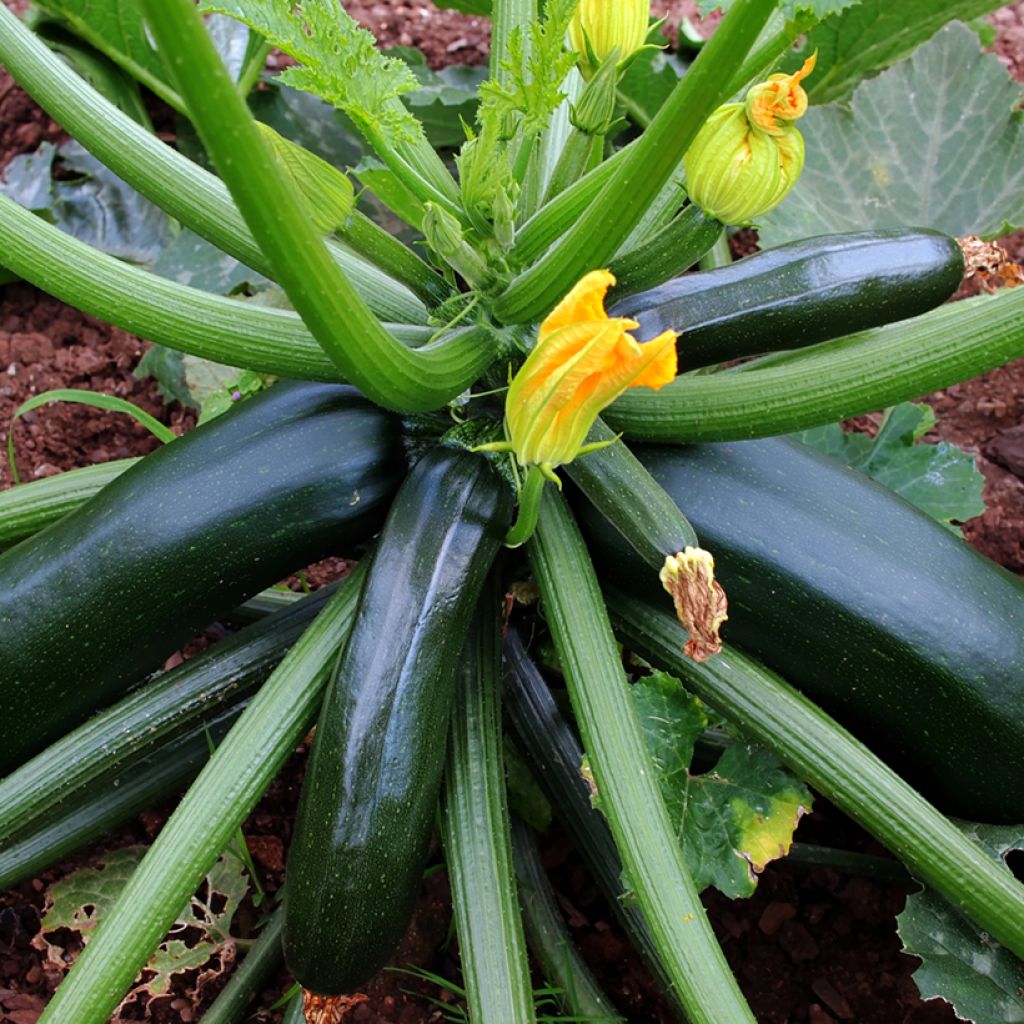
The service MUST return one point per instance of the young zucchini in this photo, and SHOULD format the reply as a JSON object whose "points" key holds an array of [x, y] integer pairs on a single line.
{"points": [[103, 596], [894, 625], [800, 294], [367, 806]]}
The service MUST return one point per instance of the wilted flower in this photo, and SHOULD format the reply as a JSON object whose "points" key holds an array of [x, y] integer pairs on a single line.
{"points": [[749, 155]]}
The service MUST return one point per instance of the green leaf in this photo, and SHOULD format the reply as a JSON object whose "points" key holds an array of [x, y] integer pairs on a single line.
{"points": [[939, 479], [872, 36], [732, 820], [94, 205], [116, 28], [791, 8], [481, 7], [327, 192], [648, 82], [445, 100], [983, 981], [338, 60], [934, 142], [163, 364], [214, 388], [191, 260]]}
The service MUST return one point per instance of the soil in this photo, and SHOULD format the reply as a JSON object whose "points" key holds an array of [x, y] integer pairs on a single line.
{"points": [[811, 945]]}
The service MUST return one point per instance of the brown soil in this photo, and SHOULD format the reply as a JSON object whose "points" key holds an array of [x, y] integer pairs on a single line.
{"points": [[811, 945]]}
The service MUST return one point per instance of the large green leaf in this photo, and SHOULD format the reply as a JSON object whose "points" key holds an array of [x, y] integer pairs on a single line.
{"points": [[983, 981], [873, 35], [791, 8], [88, 201], [732, 820], [934, 142], [939, 479], [444, 100]]}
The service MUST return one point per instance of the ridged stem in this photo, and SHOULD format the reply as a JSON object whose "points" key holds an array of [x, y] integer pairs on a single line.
{"points": [[834, 380], [616, 482], [476, 836], [188, 192], [230, 331], [578, 156], [665, 254], [385, 371], [30, 507], [205, 820], [826, 756], [508, 17], [625, 782], [594, 239], [560, 962], [249, 978]]}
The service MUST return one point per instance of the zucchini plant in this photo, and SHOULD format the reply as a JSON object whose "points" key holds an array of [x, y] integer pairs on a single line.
{"points": [[448, 396]]}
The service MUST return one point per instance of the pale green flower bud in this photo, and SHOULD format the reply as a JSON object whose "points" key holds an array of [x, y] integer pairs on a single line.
{"points": [[601, 26], [748, 156]]}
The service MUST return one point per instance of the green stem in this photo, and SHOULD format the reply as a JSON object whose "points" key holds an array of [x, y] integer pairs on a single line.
{"points": [[665, 254], [226, 330], [764, 56], [608, 221], [529, 508], [188, 192], [615, 481], [834, 380], [507, 18], [719, 255], [30, 507], [826, 756], [253, 67], [249, 978], [576, 159], [476, 836], [206, 819], [628, 791], [560, 962], [398, 261], [350, 334]]}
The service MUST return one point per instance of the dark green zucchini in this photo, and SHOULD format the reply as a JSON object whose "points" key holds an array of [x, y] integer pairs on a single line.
{"points": [[102, 597], [894, 625], [800, 294], [367, 807]]}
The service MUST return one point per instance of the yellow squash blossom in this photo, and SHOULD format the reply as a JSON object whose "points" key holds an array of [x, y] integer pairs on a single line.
{"points": [[600, 27], [582, 362], [748, 156]]}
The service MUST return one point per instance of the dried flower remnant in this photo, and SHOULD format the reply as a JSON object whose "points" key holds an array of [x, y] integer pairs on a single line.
{"points": [[701, 604]]}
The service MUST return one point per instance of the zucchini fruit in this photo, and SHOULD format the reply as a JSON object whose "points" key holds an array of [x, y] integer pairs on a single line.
{"points": [[102, 597], [911, 639], [367, 807], [800, 294]]}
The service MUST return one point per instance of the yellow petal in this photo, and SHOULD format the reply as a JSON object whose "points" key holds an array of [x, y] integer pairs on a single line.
{"points": [[585, 302]]}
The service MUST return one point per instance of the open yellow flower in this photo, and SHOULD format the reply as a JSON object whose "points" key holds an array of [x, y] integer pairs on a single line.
{"points": [[582, 362]]}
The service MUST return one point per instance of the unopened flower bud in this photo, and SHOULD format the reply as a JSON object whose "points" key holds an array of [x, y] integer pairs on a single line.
{"points": [[748, 156], [601, 26]]}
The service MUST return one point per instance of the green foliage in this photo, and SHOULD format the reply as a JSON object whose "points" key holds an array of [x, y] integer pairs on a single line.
{"points": [[733, 820], [339, 60], [939, 479], [959, 962], [481, 7], [649, 80], [873, 35], [88, 201], [935, 142], [791, 8], [445, 99]]}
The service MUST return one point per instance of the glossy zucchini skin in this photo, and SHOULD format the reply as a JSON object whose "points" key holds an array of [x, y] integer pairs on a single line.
{"points": [[800, 294], [367, 808], [102, 597], [890, 622]]}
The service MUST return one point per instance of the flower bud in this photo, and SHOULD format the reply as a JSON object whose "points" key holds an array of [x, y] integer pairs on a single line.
{"points": [[748, 156], [601, 26]]}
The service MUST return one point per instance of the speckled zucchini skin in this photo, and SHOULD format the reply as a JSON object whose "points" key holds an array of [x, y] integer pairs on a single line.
{"points": [[894, 625], [800, 294], [102, 597], [367, 807]]}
